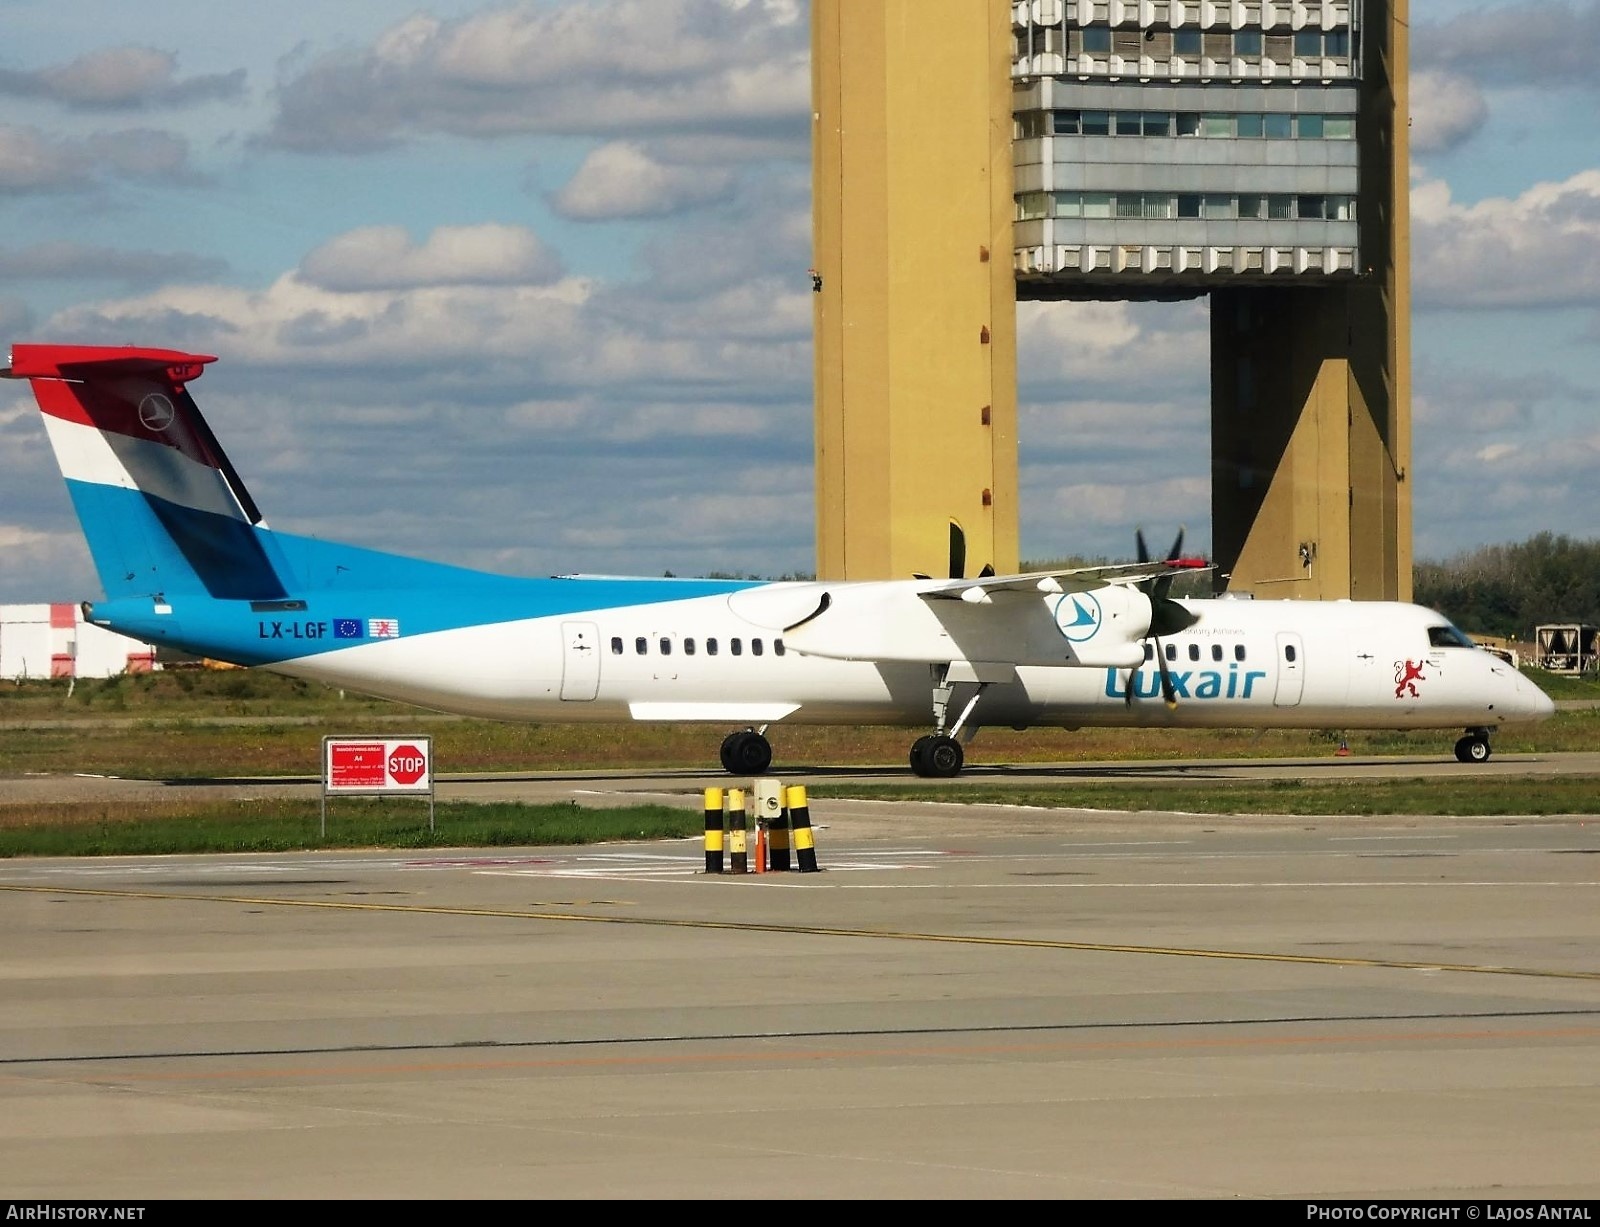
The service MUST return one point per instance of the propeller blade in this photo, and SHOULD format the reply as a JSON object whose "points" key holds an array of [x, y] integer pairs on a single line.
{"points": [[1161, 586], [1167, 617], [1169, 692]]}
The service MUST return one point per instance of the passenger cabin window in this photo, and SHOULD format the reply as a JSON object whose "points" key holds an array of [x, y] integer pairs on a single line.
{"points": [[1172, 651], [1216, 651], [755, 647], [1194, 651], [777, 647], [736, 646], [616, 645], [1448, 637], [1149, 652], [688, 646], [666, 646], [1238, 651], [641, 645], [711, 647]]}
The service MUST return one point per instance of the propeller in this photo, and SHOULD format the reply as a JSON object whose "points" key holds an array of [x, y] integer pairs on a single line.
{"points": [[1167, 617], [958, 556]]}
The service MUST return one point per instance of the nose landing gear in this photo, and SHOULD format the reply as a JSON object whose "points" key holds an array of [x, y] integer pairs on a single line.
{"points": [[1474, 747]]}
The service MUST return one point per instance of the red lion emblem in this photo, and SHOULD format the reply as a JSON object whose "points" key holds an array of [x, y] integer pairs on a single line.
{"points": [[1406, 677]]}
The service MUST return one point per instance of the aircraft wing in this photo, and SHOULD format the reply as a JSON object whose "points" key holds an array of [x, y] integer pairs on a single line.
{"points": [[1050, 583], [1089, 616]]}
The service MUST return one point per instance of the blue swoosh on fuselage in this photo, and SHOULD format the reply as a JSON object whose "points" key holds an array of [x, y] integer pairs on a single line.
{"points": [[337, 582]]}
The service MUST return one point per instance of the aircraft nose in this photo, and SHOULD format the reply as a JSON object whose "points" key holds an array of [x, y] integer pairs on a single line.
{"points": [[1536, 702]]}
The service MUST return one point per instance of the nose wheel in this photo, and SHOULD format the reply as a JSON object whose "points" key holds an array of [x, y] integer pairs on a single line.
{"points": [[937, 757], [1474, 747]]}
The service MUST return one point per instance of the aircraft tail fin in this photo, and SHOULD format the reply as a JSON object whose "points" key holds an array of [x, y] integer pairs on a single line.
{"points": [[162, 507]]}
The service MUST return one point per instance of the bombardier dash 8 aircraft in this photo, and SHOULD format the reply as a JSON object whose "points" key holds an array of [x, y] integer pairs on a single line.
{"points": [[187, 560]]}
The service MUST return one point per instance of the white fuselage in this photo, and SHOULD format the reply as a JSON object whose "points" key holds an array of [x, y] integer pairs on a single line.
{"points": [[1245, 664]]}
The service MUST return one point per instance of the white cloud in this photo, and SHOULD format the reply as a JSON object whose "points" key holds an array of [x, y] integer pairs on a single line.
{"points": [[1145, 352], [1541, 248], [1497, 452], [1527, 42], [620, 179], [384, 257], [112, 77], [619, 68], [1506, 491], [1446, 109], [30, 162], [66, 260], [115, 78]]}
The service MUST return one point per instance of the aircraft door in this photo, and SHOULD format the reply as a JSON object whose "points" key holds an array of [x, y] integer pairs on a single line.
{"points": [[580, 660], [1291, 670]]}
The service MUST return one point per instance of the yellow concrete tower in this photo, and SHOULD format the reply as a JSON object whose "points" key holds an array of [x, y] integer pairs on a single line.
{"points": [[916, 299]]}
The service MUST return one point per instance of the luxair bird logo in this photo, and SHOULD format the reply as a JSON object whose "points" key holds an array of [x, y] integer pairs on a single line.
{"points": [[1078, 616], [156, 412]]}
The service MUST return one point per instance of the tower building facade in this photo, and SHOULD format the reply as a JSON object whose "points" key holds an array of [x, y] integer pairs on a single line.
{"points": [[1252, 152], [1173, 147]]}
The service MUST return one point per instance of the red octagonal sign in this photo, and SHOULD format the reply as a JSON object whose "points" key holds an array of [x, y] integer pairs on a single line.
{"points": [[407, 764]]}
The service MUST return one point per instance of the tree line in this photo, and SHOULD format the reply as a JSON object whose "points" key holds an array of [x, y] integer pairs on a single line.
{"points": [[1508, 590]]}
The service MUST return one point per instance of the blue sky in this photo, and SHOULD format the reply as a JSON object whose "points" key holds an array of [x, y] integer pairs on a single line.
{"points": [[524, 286]]}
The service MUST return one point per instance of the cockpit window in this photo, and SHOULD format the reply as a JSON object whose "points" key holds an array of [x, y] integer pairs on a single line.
{"points": [[1448, 637]]}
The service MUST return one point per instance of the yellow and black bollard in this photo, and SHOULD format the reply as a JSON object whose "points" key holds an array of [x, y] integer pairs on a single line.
{"points": [[800, 819], [738, 830], [713, 830]]}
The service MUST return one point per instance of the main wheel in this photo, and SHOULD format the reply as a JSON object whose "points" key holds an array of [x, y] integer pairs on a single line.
{"points": [[919, 756], [746, 753], [1472, 749], [937, 757], [944, 757]]}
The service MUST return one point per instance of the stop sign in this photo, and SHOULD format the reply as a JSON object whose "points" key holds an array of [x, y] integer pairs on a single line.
{"points": [[407, 764]]}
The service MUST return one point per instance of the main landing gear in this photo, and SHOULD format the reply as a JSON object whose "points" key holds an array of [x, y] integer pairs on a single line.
{"points": [[939, 755], [746, 752], [1474, 747]]}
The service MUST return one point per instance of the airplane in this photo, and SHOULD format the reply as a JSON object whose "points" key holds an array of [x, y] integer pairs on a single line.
{"points": [[187, 560]]}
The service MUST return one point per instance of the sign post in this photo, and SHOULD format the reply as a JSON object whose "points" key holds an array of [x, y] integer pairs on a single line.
{"points": [[376, 766]]}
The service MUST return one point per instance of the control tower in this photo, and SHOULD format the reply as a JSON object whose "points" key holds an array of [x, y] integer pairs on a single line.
{"points": [[1254, 153]]}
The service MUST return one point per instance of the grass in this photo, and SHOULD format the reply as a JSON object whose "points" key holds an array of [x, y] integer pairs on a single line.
{"points": [[200, 724], [1498, 796], [292, 826]]}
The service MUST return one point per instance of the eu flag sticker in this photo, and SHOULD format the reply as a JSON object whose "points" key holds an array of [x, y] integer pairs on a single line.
{"points": [[348, 628]]}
